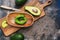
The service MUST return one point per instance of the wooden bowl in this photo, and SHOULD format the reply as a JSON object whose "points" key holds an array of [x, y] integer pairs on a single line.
{"points": [[11, 19]]}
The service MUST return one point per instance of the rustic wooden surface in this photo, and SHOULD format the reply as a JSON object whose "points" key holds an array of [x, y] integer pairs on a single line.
{"points": [[42, 29]]}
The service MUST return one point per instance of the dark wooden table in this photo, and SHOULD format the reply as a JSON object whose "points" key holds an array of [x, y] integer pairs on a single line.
{"points": [[42, 29]]}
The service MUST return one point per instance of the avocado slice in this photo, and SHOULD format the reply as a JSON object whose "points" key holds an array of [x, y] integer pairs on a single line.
{"points": [[4, 24], [33, 10]]}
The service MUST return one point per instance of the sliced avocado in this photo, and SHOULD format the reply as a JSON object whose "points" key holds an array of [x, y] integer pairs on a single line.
{"points": [[33, 10], [4, 24]]}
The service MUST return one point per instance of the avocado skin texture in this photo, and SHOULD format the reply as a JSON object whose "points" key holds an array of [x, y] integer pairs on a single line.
{"points": [[30, 10], [17, 36], [20, 2], [21, 19]]}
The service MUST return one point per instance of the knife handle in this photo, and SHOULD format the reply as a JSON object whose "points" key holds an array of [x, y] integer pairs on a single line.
{"points": [[8, 8]]}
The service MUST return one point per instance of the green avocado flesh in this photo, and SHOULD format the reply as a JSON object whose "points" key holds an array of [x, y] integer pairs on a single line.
{"points": [[17, 36], [20, 2], [33, 10], [4, 24], [20, 19]]}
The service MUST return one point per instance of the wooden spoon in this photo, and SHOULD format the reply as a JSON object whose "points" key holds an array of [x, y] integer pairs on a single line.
{"points": [[11, 19]]}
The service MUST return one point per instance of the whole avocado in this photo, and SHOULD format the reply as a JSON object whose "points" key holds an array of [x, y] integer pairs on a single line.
{"points": [[20, 2], [17, 36]]}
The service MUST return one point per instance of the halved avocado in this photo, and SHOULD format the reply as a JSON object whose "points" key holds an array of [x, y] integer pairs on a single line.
{"points": [[33, 10], [21, 19]]}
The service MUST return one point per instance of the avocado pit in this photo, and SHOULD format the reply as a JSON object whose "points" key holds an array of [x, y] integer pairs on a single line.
{"points": [[35, 10]]}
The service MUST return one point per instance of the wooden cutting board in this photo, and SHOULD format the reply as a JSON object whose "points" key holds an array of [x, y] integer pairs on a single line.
{"points": [[10, 29]]}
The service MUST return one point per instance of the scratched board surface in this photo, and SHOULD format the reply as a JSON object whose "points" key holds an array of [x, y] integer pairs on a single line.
{"points": [[42, 29]]}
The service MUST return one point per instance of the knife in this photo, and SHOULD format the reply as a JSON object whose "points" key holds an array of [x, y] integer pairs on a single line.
{"points": [[8, 8]]}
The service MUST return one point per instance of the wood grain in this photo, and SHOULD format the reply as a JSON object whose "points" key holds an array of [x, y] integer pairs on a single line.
{"points": [[9, 30]]}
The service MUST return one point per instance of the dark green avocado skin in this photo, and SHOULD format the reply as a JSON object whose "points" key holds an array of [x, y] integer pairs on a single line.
{"points": [[17, 36], [20, 2]]}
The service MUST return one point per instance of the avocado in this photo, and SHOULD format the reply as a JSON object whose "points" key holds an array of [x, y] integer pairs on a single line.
{"points": [[33, 10], [17, 36], [21, 19], [20, 2], [4, 24]]}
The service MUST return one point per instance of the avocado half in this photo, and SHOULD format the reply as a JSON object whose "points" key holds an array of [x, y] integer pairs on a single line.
{"points": [[33, 10], [21, 19]]}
